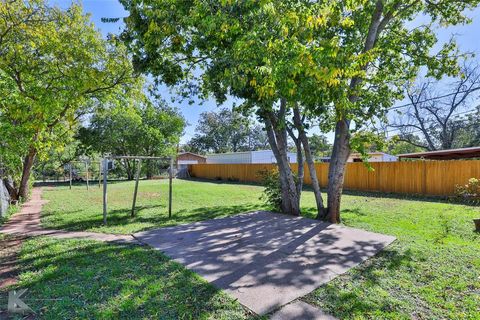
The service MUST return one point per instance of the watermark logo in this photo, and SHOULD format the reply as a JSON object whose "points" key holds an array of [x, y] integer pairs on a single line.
{"points": [[15, 304]]}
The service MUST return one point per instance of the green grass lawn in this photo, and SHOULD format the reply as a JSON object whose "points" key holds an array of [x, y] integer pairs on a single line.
{"points": [[432, 271], [79, 209], [80, 279]]}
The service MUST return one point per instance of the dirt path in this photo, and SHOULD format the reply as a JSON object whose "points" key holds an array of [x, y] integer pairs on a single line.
{"points": [[26, 223]]}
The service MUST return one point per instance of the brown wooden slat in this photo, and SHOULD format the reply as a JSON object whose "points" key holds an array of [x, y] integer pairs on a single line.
{"points": [[437, 178]]}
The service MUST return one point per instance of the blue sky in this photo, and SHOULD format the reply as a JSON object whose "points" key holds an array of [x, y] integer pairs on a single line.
{"points": [[468, 39]]}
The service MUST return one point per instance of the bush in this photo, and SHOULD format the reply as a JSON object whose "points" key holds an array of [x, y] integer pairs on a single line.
{"points": [[469, 193], [272, 194]]}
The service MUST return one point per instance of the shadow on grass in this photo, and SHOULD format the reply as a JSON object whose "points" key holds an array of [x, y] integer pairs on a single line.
{"points": [[352, 294], [122, 217], [85, 279]]}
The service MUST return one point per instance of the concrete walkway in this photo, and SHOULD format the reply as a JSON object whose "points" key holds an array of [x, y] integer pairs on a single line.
{"points": [[27, 223], [263, 259]]}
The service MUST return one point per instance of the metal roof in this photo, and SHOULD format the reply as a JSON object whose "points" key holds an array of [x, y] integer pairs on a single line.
{"points": [[450, 154], [194, 154]]}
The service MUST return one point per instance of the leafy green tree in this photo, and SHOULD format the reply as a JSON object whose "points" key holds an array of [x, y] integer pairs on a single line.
{"points": [[222, 131], [53, 65], [320, 145], [382, 51], [397, 145], [226, 131], [336, 63], [133, 128], [251, 50]]}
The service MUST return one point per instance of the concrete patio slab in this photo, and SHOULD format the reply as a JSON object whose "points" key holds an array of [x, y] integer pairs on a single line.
{"points": [[264, 259]]}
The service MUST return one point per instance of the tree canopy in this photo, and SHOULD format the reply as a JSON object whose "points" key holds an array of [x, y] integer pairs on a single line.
{"points": [[54, 66], [136, 128], [226, 130], [338, 64]]}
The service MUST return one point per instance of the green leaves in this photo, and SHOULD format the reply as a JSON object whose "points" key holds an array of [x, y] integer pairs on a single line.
{"points": [[133, 127], [54, 66]]}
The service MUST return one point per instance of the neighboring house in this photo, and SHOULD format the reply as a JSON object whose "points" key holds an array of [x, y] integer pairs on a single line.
{"points": [[186, 158], [373, 157], [261, 156], [450, 154]]}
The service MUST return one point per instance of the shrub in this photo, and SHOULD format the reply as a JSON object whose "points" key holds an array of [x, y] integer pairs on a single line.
{"points": [[470, 192], [272, 194]]}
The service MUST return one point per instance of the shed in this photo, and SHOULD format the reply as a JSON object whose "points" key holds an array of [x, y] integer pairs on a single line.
{"points": [[186, 158], [449, 154], [260, 156]]}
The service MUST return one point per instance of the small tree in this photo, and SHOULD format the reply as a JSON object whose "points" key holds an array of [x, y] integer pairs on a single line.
{"points": [[134, 127]]}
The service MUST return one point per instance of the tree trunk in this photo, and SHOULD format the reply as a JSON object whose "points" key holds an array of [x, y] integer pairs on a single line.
{"points": [[302, 136], [12, 191], [277, 137], [26, 171], [300, 166], [341, 146], [130, 170], [336, 172]]}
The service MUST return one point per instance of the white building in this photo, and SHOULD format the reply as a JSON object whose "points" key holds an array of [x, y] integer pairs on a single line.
{"points": [[373, 157], [261, 156]]}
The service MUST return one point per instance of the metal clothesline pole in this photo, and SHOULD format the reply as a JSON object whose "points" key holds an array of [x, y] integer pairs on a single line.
{"points": [[105, 170], [86, 169], [139, 163], [139, 159]]}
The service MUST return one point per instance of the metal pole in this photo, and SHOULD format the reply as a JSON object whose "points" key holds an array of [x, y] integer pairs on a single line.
{"points": [[136, 187], [86, 168], [99, 173], [70, 168], [105, 170], [170, 176]]}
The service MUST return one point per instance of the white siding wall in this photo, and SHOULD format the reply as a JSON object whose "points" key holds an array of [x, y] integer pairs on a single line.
{"points": [[263, 156], [267, 156], [389, 158], [237, 157]]}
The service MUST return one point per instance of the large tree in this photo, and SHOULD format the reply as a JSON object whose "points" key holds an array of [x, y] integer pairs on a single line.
{"points": [[53, 64], [133, 127], [251, 50], [336, 63], [440, 112], [221, 131], [226, 130], [384, 46]]}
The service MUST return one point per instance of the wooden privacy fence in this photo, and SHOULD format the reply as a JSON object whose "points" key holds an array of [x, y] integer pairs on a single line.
{"points": [[437, 178]]}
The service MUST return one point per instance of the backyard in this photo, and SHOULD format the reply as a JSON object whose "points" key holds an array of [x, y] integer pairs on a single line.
{"points": [[430, 271]]}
